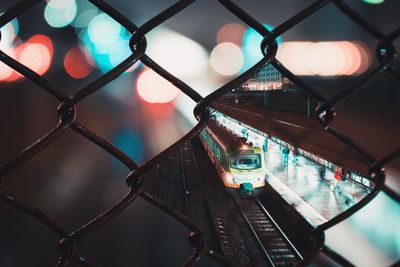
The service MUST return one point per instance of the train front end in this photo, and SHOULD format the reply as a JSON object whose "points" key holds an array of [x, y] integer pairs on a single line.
{"points": [[246, 167]]}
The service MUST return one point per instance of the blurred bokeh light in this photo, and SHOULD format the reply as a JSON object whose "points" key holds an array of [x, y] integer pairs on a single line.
{"points": [[155, 89], [252, 45], [60, 13], [178, 54], [231, 32], [76, 64], [374, 1], [325, 58], [227, 59]]}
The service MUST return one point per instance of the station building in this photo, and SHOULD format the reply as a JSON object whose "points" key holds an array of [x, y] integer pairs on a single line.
{"points": [[268, 78]]}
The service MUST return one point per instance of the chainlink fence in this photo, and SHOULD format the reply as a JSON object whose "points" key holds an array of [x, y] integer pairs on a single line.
{"points": [[385, 53]]}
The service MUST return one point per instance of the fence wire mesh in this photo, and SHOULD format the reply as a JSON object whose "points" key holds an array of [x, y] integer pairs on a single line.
{"points": [[67, 114]]}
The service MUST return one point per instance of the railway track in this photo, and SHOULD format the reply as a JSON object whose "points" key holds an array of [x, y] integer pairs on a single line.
{"points": [[189, 185], [276, 247], [177, 182], [233, 236], [217, 222]]}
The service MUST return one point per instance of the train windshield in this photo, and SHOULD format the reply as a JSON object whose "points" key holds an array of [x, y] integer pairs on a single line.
{"points": [[245, 161]]}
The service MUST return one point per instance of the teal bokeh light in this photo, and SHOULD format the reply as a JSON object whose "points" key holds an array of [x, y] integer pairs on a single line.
{"points": [[103, 30], [59, 16], [107, 55], [107, 41], [251, 45], [379, 222], [9, 31], [130, 142], [374, 2]]}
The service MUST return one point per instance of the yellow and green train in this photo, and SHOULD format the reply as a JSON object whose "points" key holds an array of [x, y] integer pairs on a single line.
{"points": [[240, 165]]}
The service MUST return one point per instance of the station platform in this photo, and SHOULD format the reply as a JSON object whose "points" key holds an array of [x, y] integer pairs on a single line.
{"points": [[296, 129], [306, 185], [314, 193]]}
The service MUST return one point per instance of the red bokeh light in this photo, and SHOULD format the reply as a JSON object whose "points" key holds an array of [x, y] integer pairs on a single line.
{"points": [[36, 53], [76, 64], [43, 40], [5, 71]]}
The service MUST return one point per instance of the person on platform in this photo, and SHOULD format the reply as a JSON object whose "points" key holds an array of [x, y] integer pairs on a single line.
{"points": [[295, 158], [336, 184], [285, 152]]}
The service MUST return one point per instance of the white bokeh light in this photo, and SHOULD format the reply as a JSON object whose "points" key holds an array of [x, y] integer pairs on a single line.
{"points": [[227, 59], [176, 53], [60, 13], [155, 89], [104, 30]]}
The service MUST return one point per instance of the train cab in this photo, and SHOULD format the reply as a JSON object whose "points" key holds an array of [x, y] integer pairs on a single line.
{"points": [[239, 164]]}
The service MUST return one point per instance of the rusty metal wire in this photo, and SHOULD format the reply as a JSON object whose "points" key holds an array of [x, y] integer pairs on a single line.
{"points": [[385, 53]]}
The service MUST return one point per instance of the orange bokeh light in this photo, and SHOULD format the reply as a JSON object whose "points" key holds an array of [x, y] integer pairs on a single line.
{"points": [[43, 40], [153, 88], [353, 58], [231, 32], [365, 57], [325, 58], [75, 63], [36, 54], [5, 71]]}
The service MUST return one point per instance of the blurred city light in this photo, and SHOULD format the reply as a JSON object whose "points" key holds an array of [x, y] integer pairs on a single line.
{"points": [[352, 58], [5, 70], [153, 88], [177, 53], [86, 12], [8, 33], [227, 59], [36, 53], [366, 57], [231, 32], [43, 40], [35, 56], [252, 45], [293, 56], [374, 1], [103, 30], [41, 49], [107, 49], [119, 52], [384, 234], [130, 142], [108, 57], [59, 4], [324, 58], [60, 13], [76, 64]]}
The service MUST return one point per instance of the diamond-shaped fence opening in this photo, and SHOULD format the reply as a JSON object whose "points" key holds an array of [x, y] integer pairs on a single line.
{"points": [[135, 180]]}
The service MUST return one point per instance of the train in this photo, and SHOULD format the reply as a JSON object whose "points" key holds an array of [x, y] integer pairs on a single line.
{"points": [[240, 165]]}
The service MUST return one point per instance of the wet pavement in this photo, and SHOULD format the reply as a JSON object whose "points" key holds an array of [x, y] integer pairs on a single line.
{"points": [[306, 185], [315, 194]]}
